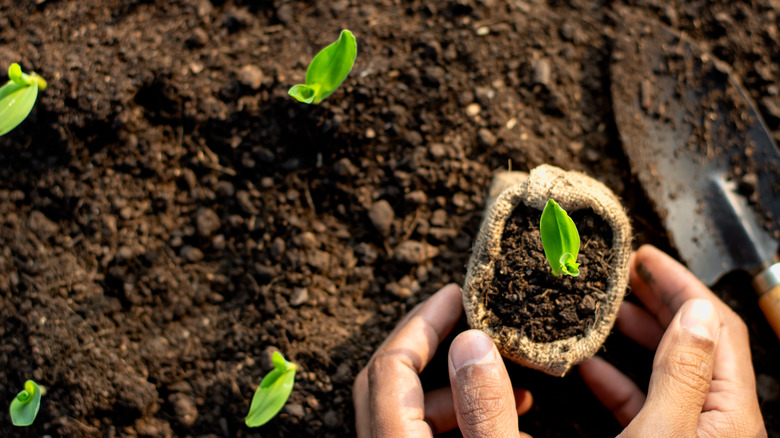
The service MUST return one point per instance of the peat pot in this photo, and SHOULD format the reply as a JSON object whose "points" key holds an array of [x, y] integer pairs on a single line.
{"points": [[536, 319]]}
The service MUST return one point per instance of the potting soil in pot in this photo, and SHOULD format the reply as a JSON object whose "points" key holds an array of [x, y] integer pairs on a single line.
{"points": [[524, 294]]}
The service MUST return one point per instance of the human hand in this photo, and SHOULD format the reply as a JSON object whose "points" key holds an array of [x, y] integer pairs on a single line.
{"points": [[702, 383], [388, 396]]}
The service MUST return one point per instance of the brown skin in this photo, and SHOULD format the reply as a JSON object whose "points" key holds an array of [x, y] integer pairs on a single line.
{"points": [[388, 396], [703, 383]]}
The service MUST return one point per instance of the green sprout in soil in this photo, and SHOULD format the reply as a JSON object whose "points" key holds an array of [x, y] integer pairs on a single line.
{"points": [[17, 97], [560, 240], [24, 407], [273, 392], [327, 70]]}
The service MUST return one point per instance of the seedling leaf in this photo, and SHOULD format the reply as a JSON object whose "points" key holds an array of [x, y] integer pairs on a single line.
{"points": [[303, 93], [17, 97], [24, 407], [560, 239], [273, 392], [327, 70]]}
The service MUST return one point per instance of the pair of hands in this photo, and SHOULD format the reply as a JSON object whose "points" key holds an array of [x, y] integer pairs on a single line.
{"points": [[702, 383]]}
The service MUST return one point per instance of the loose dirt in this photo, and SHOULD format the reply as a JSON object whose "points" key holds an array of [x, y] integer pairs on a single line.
{"points": [[169, 216], [524, 293]]}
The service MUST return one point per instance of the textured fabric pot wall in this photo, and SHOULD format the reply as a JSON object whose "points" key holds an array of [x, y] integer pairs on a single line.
{"points": [[573, 191]]}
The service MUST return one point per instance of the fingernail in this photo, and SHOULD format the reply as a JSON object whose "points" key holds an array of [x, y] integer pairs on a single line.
{"points": [[699, 317], [470, 348]]}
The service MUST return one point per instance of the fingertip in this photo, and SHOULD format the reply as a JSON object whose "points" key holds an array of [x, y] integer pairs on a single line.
{"points": [[451, 287], [639, 325], [482, 392], [360, 401], [451, 294], [524, 400], [472, 347], [361, 383], [648, 250], [612, 388], [701, 318]]}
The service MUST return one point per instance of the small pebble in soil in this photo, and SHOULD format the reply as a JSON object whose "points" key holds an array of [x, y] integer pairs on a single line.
{"points": [[748, 184], [473, 110], [198, 38], [542, 73], [284, 13], [414, 253], [251, 76], [41, 225], [417, 197], [184, 408], [398, 291], [317, 259], [294, 410], [344, 167], [278, 247], [299, 297], [225, 189], [437, 151], [332, 419], [343, 374], [485, 138], [236, 20], [123, 254], [366, 253], [307, 239], [207, 222], [191, 254], [265, 361], [587, 305], [382, 215], [439, 218], [245, 202], [264, 155]]}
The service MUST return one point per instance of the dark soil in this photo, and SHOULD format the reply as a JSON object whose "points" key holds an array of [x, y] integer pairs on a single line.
{"points": [[169, 216], [686, 124], [524, 293]]}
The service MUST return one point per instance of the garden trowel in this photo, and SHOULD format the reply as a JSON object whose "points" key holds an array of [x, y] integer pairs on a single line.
{"points": [[703, 156]]}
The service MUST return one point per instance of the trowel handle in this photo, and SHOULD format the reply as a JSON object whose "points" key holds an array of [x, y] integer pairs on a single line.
{"points": [[767, 285]]}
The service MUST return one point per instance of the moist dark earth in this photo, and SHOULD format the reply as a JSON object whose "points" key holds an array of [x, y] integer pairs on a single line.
{"points": [[169, 216], [525, 295]]}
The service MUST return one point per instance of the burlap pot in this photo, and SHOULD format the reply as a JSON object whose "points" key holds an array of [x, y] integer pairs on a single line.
{"points": [[573, 191]]}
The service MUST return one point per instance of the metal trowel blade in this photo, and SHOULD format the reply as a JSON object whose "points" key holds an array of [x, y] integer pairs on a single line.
{"points": [[700, 150]]}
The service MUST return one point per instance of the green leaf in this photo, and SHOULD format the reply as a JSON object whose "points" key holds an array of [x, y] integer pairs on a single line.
{"points": [[560, 240], [303, 93], [24, 408], [327, 70], [17, 97], [273, 392]]}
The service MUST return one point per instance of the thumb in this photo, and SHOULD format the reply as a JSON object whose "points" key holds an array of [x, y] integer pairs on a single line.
{"points": [[481, 390], [682, 371]]}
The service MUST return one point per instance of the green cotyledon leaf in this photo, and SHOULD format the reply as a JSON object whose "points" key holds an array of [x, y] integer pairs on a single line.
{"points": [[560, 239], [327, 70], [24, 407], [273, 392], [17, 97]]}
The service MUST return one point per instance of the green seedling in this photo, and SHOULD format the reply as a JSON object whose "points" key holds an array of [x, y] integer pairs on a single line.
{"points": [[24, 408], [560, 240], [327, 70], [273, 392], [17, 97]]}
